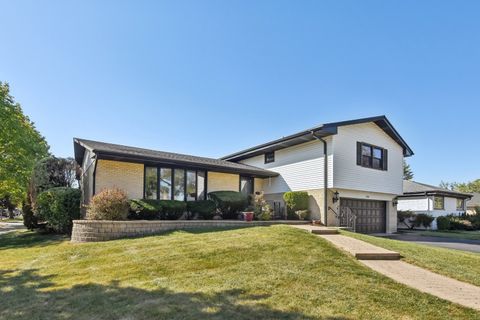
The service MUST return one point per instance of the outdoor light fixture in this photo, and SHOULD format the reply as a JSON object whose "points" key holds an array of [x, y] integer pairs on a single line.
{"points": [[335, 197], [395, 202]]}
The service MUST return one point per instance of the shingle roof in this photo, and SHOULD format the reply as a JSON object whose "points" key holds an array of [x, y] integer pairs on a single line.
{"points": [[414, 188], [322, 130], [127, 152]]}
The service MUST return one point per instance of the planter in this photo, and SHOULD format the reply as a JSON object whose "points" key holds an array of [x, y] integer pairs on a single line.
{"points": [[248, 216]]}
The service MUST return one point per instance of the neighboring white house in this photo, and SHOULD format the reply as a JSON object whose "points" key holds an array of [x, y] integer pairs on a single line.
{"points": [[435, 201], [473, 203], [364, 170]]}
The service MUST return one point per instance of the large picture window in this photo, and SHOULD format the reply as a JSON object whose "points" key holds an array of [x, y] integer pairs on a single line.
{"points": [[370, 156], [165, 183], [246, 185], [438, 203], [151, 183], [175, 184], [179, 185]]}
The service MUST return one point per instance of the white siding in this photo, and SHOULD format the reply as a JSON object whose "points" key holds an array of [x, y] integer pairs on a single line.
{"points": [[417, 204], [300, 167], [348, 175]]}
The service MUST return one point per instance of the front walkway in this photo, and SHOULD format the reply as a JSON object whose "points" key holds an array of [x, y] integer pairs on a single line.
{"points": [[421, 279]]}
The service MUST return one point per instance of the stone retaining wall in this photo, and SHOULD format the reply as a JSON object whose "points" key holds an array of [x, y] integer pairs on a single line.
{"points": [[100, 230]]}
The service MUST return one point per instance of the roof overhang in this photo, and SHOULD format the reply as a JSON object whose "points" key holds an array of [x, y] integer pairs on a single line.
{"points": [[436, 193], [324, 130]]}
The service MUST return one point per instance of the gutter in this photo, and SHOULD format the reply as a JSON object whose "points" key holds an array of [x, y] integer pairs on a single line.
{"points": [[325, 176]]}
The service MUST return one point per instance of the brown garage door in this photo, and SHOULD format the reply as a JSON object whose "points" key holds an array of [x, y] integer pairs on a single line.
{"points": [[371, 215]]}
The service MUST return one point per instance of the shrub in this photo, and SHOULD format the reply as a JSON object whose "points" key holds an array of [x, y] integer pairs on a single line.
{"points": [[460, 224], [406, 217], [229, 203], [295, 200], [261, 208], [204, 208], [172, 209], [423, 219], [29, 218], [58, 207], [443, 223], [145, 209], [109, 204]]}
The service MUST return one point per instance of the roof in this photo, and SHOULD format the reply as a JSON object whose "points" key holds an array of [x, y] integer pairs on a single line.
{"points": [[322, 130], [475, 201], [412, 188], [112, 151]]}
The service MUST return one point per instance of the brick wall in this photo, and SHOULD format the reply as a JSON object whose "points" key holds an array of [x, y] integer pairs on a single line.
{"points": [[96, 230], [123, 175]]}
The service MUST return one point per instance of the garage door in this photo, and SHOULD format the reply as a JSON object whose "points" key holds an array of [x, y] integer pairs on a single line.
{"points": [[371, 215]]}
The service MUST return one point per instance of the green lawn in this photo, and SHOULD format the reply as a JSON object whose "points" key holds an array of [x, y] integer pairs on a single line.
{"points": [[460, 265], [470, 235], [273, 272]]}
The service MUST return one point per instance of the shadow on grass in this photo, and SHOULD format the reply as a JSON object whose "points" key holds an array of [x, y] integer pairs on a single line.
{"points": [[27, 295], [28, 239]]}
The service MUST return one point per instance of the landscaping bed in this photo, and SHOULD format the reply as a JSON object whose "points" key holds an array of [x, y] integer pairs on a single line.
{"points": [[275, 272]]}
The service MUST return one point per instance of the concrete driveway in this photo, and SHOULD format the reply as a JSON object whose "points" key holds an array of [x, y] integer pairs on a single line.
{"points": [[450, 243], [10, 226]]}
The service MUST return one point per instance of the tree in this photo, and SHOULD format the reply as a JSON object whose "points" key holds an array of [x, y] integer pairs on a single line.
{"points": [[50, 173], [6, 203], [407, 171], [448, 185], [21, 145], [471, 186]]}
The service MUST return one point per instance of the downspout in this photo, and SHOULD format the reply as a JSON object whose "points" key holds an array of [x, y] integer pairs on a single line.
{"points": [[325, 176]]}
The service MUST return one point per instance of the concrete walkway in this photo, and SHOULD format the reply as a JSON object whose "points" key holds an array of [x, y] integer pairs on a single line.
{"points": [[11, 226], [418, 278]]}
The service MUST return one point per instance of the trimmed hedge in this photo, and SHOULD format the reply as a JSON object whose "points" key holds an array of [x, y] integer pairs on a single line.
{"points": [[147, 209], [229, 203], [204, 208], [58, 207], [443, 223], [295, 201], [109, 204]]}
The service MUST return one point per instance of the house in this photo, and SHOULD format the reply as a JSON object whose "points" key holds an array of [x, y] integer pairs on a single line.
{"points": [[352, 171], [435, 201], [473, 203]]}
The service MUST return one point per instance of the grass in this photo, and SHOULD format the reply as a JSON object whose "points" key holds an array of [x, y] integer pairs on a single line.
{"points": [[460, 265], [458, 234], [273, 272]]}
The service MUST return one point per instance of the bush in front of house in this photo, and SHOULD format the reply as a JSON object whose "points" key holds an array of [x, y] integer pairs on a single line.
{"points": [[406, 217], [443, 223], [172, 209], [423, 219], [229, 203], [205, 209], [109, 204], [295, 201], [144, 209], [58, 207]]}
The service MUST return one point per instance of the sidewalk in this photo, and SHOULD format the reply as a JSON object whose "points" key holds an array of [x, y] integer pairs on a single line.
{"points": [[11, 226], [421, 279]]}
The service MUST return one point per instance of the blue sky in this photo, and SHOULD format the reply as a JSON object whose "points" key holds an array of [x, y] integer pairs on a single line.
{"points": [[213, 77]]}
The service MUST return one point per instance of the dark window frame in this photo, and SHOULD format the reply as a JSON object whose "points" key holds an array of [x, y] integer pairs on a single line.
{"points": [[435, 205], [462, 207], [174, 169], [269, 157], [252, 181], [383, 160]]}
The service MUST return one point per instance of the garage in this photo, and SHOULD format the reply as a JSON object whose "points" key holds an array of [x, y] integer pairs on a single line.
{"points": [[371, 214]]}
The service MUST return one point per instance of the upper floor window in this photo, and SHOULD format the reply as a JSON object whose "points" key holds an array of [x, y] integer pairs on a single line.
{"points": [[438, 203], [370, 156], [460, 204], [270, 157]]}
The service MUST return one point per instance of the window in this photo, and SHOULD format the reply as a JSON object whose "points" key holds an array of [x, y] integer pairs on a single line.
{"points": [[246, 185], [151, 183], [165, 184], [270, 157], [191, 185], [460, 204], [179, 185], [369, 156], [201, 195], [438, 203]]}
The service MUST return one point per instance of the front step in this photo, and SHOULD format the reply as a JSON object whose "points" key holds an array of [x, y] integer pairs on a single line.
{"points": [[324, 231], [377, 255]]}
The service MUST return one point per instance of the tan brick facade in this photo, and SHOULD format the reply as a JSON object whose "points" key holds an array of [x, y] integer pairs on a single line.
{"points": [[123, 175], [218, 181]]}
